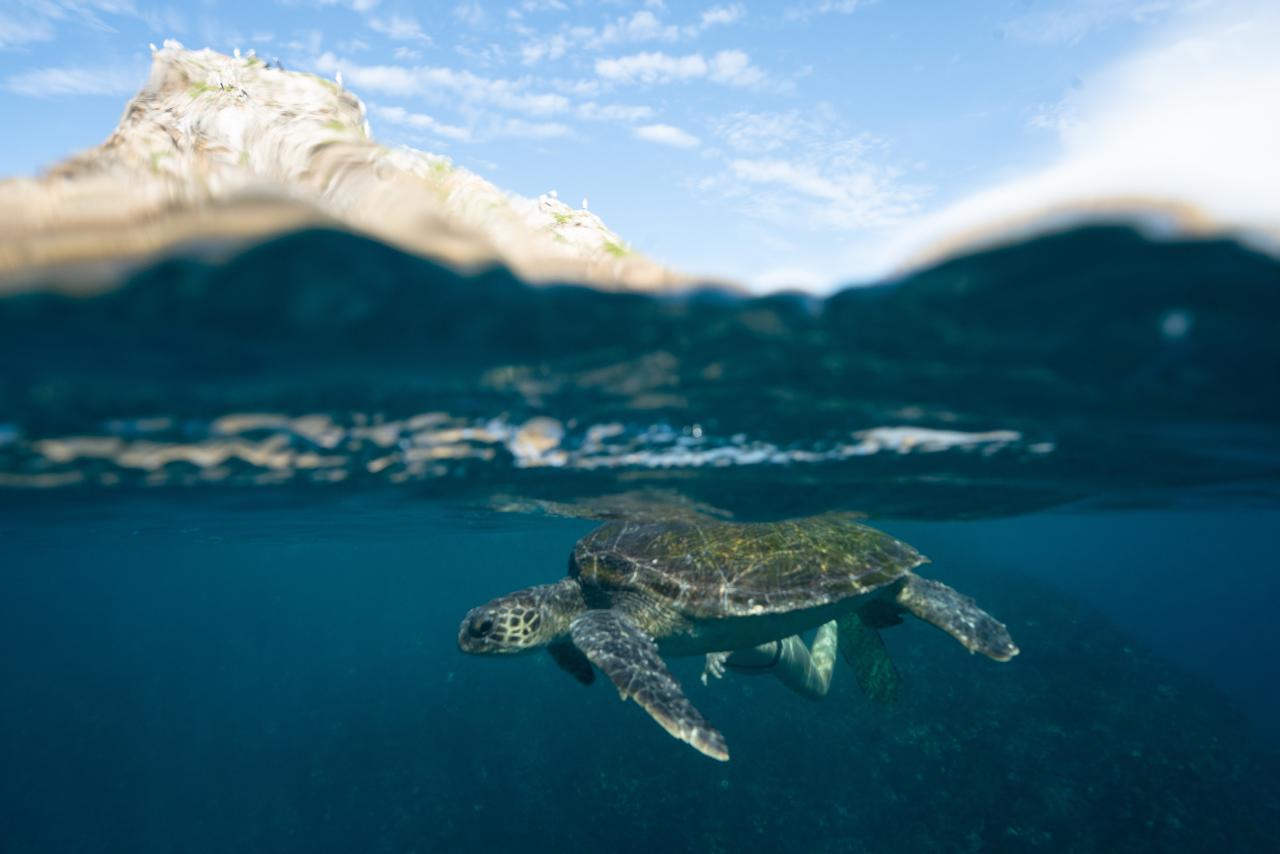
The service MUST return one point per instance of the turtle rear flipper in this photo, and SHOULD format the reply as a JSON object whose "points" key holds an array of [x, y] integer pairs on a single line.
{"points": [[630, 659], [863, 650], [957, 615]]}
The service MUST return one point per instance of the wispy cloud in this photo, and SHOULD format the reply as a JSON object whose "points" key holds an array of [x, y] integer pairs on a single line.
{"points": [[38, 21], [639, 27], [1060, 116], [721, 15], [15, 31], [731, 67], [421, 121], [353, 5], [45, 82], [550, 47], [652, 68], [523, 129], [805, 171], [166, 21], [826, 7], [642, 26], [837, 195], [471, 13], [591, 111], [436, 81], [667, 135], [535, 6], [1069, 23], [489, 126], [399, 28], [760, 133], [582, 88]]}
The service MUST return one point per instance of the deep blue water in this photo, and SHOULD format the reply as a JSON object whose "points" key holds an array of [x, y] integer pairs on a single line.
{"points": [[243, 508]]}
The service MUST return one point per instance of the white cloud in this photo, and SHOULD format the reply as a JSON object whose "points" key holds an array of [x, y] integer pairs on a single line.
{"points": [[308, 42], [651, 68], [721, 15], [732, 67], [491, 126], [592, 111], [642, 26], [20, 31], [759, 133], [471, 13], [42, 82], [38, 20], [805, 171], [486, 56], [1189, 119], [353, 5], [523, 129], [421, 121], [399, 28], [589, 88], [827, 7], [169, 21], [1069, 23], [543, 6], [1059, 117], [435, 81], [552, 47], [388, 79], [667, 135]]}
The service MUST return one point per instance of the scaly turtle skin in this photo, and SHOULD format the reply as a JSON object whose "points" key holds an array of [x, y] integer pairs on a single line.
{"points": [[636, 590]]}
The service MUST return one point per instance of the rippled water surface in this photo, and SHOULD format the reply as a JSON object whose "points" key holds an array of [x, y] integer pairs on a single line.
{"points": [[244, 507]]}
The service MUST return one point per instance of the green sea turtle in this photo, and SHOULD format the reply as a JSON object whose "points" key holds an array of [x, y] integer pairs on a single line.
{"points": [[695, 586]]}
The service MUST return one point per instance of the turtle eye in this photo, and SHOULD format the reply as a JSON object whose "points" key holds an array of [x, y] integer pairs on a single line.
{"points": [[480, 626]]}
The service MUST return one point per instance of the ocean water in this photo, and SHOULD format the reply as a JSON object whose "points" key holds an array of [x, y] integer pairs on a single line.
{"points": [[244, 506]]}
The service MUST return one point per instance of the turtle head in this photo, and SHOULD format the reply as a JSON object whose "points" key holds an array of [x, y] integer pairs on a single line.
{"points": [[522, 621]]}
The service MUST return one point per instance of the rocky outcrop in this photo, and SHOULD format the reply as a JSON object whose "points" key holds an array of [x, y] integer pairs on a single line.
{"points": [[217, 151]]}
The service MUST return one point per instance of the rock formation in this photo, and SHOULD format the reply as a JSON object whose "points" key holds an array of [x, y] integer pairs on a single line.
{"points": [[217, 151]]}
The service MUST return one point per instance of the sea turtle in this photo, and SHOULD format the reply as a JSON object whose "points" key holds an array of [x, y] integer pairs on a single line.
{"points": [[695, 586]]}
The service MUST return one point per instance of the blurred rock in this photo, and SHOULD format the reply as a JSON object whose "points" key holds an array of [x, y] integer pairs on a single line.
{"points": [[215, 152]]}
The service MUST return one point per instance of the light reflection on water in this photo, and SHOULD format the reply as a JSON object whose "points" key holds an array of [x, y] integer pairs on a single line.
{"points": [[265, 448]]}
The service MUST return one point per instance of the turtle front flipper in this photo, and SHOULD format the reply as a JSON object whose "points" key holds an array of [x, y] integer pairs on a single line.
{"points": [[957, 615], [630, 658]]}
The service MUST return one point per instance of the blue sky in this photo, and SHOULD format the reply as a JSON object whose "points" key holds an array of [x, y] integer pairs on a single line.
{"points": [[776, 143]]}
